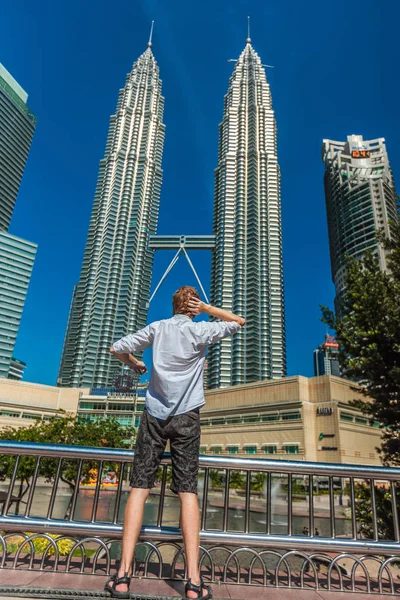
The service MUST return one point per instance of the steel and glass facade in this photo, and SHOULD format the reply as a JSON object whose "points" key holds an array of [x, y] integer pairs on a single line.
{"points": [[360, 199], [17, 126], [16, 263], [326, 358], [247, 273], [111, 298], [16, 370]]}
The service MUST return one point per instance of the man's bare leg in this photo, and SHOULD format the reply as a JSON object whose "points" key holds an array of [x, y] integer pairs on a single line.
{"points": [[133, 520], [190, 524]]}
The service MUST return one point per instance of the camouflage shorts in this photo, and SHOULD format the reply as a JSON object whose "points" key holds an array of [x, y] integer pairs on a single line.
{"points": [[183, 432]]}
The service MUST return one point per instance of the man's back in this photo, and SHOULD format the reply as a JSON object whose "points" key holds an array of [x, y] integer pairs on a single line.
{"points": [[179, 349]]}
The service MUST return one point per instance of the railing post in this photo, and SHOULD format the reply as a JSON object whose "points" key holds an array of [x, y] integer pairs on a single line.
{"points": [[373, 506], [332, 507], [290, 505], [247, 503], [226, 500], [353, 509], [119, 492], [54, 490], [311, 504], [33, 486], [268, 516], [395, 512], [12, 483], [162, 496], [97, 492], [205, 498], [76, 491]]}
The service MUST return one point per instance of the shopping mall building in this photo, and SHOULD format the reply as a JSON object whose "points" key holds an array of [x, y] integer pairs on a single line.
{"points": [[292, 418]]}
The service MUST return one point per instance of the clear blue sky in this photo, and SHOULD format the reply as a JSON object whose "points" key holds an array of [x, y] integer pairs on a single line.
{"points": [[336, 73]]}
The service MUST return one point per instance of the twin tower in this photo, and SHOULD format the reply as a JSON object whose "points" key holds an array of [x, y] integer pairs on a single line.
{"points": [[111, 298]]}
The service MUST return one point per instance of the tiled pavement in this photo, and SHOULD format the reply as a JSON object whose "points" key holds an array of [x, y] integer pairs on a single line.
{"points": [[172, 589]]}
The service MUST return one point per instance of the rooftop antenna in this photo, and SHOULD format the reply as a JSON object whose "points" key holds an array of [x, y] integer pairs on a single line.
{"points": [[150, 43], [248, 41]]}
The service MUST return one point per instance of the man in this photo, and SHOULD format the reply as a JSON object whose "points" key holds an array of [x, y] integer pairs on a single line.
{"points": [[174, 397]]}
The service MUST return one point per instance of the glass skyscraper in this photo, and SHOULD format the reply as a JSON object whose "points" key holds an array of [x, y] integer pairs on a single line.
{"points": [[326, 358], [111, 298], [16, 263], [247, 272], [360, 199], [17, 126]]}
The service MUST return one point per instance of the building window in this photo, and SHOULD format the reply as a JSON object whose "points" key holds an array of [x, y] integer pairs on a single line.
{"points": [[217, 421], [234, 421], [361, 421], [13, 415], [233, 449], [92, 405], [346, 417], [291, 416], [270, 449], [250, 449], [251, 419], [203, 449], [293, 449], [124, 421], [216, 449], [270, 418]]}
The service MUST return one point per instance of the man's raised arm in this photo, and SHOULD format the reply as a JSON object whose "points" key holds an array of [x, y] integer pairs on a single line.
{"points": [[198, 307]]}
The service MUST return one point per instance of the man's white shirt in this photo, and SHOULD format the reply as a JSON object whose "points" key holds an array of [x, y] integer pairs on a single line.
{"points": [[179, 348]]}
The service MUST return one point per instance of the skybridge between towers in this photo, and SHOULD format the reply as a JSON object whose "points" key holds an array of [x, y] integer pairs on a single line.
{"points": [[175, 242], [181, 243]]}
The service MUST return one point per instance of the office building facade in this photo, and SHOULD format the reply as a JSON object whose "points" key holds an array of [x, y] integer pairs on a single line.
{"points": [[296, 418], [360, 200], [326, 358], [17, 126], [16, 263], [247, 274], [111, 298], [17, 368]]}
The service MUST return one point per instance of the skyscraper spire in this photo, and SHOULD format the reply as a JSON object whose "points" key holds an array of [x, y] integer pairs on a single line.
{"points": [[150, 42], [248, 41], [111, 297], [247, 273]]}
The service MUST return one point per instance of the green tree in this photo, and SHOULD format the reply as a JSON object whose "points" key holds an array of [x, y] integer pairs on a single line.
{"points": [[237, 480], [216, 478], [68, 430], [258, 481], [367, 327]]}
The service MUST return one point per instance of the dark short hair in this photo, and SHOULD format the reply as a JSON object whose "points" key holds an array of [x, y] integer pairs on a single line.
{"points": [[181, 298]]}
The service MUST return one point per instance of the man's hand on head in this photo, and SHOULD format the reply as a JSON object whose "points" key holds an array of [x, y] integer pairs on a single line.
{"points": [[196, 306]]}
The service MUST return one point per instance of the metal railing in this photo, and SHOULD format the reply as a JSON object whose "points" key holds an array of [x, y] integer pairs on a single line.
{"points": [[253, 505]]}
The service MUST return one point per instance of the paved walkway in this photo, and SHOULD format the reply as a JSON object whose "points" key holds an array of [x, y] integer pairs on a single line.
{"points": [[167, 589]]}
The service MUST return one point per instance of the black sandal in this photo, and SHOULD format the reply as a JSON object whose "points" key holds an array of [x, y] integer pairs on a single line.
{"points": [[198, 589], [114, 581]]}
